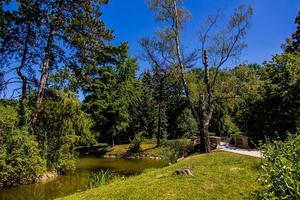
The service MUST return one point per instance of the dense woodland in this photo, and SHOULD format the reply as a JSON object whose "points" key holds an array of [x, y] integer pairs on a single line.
{"points": [[72, 87]]}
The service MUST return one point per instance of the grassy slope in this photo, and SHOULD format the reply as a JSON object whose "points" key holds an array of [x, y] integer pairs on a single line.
{"points": [[219, 175]]}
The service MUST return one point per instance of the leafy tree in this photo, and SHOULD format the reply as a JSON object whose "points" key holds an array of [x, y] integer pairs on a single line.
{"points": [[186, 124], [111, 97], [293, 44], [215, 51], [154, 48], [276, 110], [46, 35], [148, 115], [8, 120], [20, 160], [62, 125]]}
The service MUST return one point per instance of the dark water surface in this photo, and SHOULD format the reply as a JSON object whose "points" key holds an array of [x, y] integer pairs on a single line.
{"points": [[65, 185]]}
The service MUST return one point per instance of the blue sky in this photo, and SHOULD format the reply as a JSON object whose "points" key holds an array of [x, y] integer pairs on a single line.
{"points": [[271, 23]]}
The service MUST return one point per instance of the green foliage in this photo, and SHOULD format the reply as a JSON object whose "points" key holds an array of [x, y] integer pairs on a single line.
{"points": [[20, 160], [280, 176], [186, 124], [230, 127], [8, 120], [97, 179], [66, 161], [135, 144], [62, 125], [276, 109], [177, 149], [146, 118], [112, 98]]}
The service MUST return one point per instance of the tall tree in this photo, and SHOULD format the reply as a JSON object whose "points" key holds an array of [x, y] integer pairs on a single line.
{"points": [[65, 33], [111, 94], [77, 25], [148, 116], [275, 109], [19, 49], [155, 49], [224, 45]]}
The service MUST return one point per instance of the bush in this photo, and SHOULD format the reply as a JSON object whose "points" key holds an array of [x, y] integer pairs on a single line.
{"points": [[20, 160], [8, 120], [66, 162], [62, 125], [177, 149], [135, 144], [280, 175]]}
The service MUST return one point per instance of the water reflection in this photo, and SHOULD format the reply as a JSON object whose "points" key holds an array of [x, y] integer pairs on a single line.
{"points": [[77, 182]]}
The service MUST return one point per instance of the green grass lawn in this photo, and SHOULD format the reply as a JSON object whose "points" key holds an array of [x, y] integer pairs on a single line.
{"points": [[218, 175]]}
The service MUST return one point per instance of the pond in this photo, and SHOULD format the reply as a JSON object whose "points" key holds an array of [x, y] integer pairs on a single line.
{"points": [[77, 182]]}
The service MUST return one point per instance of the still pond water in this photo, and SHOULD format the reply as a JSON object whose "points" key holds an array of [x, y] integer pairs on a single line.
{"points": [[65, 185]]}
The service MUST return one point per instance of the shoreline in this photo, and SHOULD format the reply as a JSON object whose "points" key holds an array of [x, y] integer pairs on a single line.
{"points": [[133, 157]]}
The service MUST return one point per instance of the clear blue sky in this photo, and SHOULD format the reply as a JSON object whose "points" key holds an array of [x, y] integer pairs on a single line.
{"points": [[271, 24]]}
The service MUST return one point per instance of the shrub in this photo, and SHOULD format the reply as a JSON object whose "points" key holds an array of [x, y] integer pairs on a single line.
{"points": [[8, 120], [20, 160], [280, 175], [135, 144], [66, 162], [97, 179], [177, 149]]}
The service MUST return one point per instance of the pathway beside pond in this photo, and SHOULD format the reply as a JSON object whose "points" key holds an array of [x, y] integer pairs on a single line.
{"points": [[250, 152]]}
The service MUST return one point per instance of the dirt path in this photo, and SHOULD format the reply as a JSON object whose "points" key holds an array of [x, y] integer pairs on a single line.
{"points": [[250, 152]]}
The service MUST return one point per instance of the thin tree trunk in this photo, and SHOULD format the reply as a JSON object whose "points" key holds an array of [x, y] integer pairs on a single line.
{"points": [[207, 110], [44, 76], [23, 78], [204, 132], [159, 114], [181, 65], [112, 140]]}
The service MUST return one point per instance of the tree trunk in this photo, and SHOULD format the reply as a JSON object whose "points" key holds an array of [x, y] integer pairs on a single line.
{"points": [[112, 140], [182, 66], [159, 115], [22, 107], [158, 126], [204, 136], [21, 110], [44, 76], [207, 110]]}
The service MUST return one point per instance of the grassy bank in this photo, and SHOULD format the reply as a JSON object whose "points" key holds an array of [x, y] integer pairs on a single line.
{"points": [[218, 175]]}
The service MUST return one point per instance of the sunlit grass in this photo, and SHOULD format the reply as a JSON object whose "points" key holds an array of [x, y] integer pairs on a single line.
{"points": [[218, 175]]}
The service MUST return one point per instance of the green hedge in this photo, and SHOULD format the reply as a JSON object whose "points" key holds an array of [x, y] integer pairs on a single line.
{"points": [[280, 175]]}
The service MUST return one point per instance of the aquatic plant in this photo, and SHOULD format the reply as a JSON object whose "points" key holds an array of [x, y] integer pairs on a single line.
{"points": [[97, 179]]}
